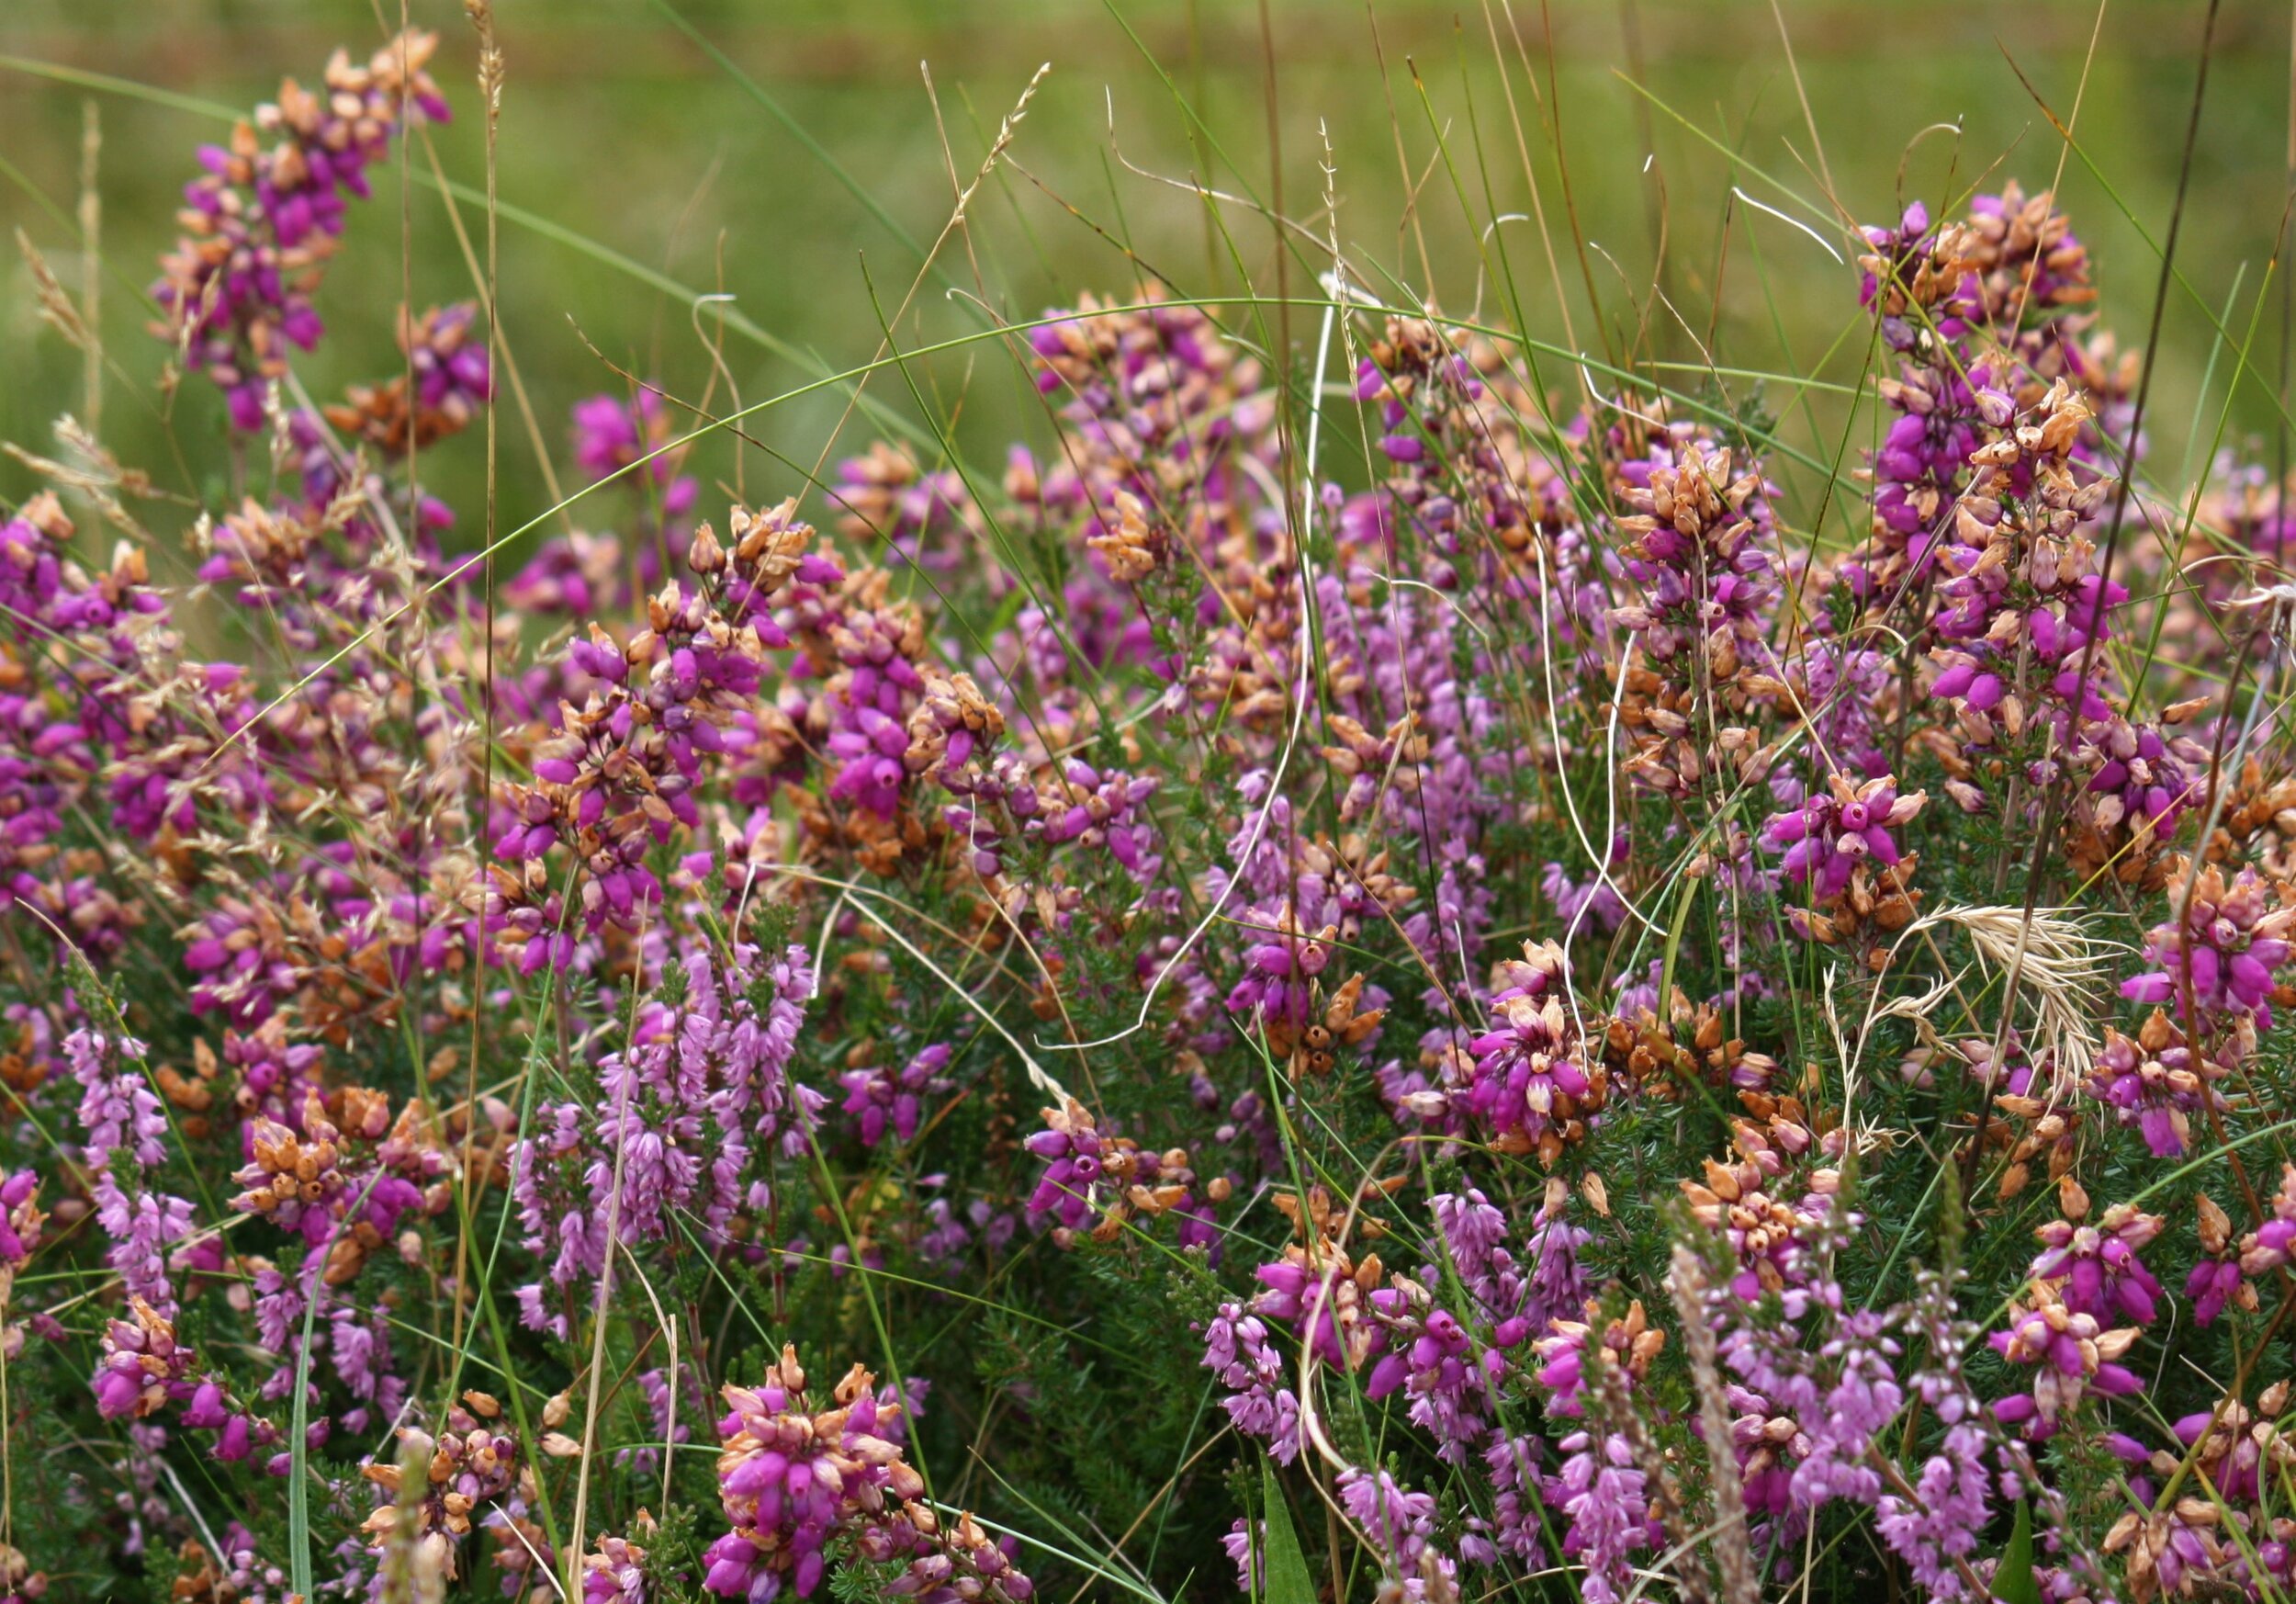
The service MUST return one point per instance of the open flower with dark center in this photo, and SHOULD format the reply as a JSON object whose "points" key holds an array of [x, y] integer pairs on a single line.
{"points": [[1833, 832]]}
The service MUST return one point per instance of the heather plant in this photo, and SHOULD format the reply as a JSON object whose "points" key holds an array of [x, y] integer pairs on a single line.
{"points": [[1384, 963]]}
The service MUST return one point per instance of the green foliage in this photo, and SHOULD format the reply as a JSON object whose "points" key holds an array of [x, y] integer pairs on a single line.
{"points": [[1285, 1568]]}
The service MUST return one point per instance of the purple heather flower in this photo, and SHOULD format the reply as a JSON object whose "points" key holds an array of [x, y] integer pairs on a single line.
{"points": [[2218, 958], [1448, 1374], [2156, 1083], [1400, 1527], [1531, 1082], [1605, 1498], [142, 1365], [614, 1573], [691, 1114], [2272, 1246], [1830, 835], [794, 1479], [1070, 1145], [2213, 1284], [2217, 1280], [120, 1114], [1703, 548], [1243, 1544], [20, 1218], [263, 219], [2072, 1354], [612, 433], [1595, 903], [452, 374], [2097, 1265], [879, 1098], [1940, 1532], [1238, 1352]]}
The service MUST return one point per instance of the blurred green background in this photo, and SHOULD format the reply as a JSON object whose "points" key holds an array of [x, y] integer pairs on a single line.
{"points": [[621, 130]]}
